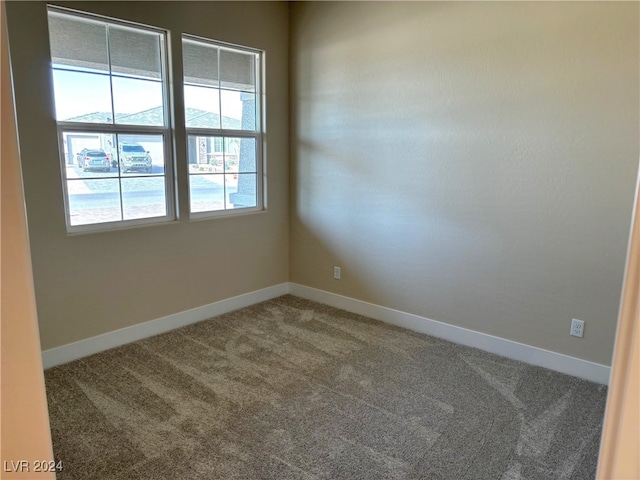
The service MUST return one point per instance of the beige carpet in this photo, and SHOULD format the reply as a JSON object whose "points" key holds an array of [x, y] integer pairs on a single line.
{"points": [[292, 389]]}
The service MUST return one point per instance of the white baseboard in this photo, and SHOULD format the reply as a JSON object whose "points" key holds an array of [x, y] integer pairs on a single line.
{"points": [[99, 343], [500, 346]]}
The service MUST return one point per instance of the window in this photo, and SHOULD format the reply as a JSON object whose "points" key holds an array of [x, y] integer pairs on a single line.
{"points": [[110, 87], [222, 118]]}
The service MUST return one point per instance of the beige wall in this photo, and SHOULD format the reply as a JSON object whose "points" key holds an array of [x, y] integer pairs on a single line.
{"points": [[468, 162], [25, 423], [472, 163], [95, 283]]}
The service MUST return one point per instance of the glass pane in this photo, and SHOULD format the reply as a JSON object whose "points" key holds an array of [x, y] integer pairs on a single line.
{"points": [[138, 102], [206, 192], [206, 154], [240, 155], [202, 107], [82, 97], [237, 70], [141, 155], [238, 110], [78, 43], [242, 190], [88, 155], [200, 63], [135, 52], [143, 197], [93, 201]]}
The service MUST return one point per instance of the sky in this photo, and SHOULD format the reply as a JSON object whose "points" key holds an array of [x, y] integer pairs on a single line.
{"points": [[78, 93]]}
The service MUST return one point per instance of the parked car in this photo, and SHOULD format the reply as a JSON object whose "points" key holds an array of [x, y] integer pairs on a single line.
{"points": [[89, 159], [133, 156]]}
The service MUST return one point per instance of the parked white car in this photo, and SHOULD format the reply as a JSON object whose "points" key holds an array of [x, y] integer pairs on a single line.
{"points": [[133, 156]]}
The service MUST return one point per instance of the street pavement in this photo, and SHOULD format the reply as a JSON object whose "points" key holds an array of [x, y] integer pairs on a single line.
{"points": [[94, 196]]}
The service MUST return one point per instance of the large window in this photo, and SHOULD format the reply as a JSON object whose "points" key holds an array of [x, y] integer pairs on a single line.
{"points": [[222, 117], [112, 114]]}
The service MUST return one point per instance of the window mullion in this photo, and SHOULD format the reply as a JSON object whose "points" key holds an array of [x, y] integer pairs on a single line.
{"points": [[219, 89], [113, 109], [113, 121]]}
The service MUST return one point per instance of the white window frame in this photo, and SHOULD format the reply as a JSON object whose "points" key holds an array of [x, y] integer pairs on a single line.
{"points": [[122, 129], [256, 134]]}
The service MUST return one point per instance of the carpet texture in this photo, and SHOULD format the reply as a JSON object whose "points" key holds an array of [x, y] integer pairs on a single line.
{"points": [[291, 389]]}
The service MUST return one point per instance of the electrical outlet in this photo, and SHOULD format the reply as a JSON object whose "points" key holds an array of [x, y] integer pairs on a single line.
{"points": [[336, 273], [577, 328]]}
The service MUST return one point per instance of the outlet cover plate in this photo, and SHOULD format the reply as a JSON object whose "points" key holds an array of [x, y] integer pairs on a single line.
{"points": [[336, 273], [577, 328]]}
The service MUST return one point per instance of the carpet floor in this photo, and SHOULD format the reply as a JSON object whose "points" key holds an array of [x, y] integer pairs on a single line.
{"points": [[291, 389]]}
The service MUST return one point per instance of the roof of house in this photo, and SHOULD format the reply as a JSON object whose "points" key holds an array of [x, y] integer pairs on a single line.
{"points": [[196, 118]]}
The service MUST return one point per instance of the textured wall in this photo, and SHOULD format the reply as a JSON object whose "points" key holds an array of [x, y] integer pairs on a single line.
{"points": [[473, 163], [95, 283]]}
